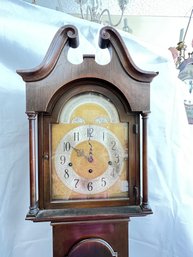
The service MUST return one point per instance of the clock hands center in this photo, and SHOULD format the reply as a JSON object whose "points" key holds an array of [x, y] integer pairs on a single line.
{"points": [[81, 153]]}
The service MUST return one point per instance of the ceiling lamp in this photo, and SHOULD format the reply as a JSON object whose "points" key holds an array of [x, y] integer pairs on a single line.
{"points": [[184, 63], [92, 10], [181, 47]]}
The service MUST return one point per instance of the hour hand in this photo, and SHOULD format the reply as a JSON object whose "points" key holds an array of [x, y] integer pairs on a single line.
{"points": [[80, 152]]}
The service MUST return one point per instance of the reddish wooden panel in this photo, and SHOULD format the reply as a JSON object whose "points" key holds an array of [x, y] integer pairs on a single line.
{"points": [[100, 238]]}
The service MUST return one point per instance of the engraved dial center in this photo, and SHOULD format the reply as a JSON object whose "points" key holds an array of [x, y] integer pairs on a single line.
{"points": [[90, 165]]}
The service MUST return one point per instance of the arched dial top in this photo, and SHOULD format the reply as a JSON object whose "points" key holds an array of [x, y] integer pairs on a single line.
{"points": [[89, 108], [89, 150]]}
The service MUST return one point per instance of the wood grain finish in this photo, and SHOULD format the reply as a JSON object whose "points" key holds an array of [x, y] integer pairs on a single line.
{"points": [[32, 158], [47, 80], [79, 239], [87, 227], [50, 85], [145, 203]]}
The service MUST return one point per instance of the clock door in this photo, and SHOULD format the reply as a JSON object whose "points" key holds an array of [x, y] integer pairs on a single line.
{"points": [[91, 153]]}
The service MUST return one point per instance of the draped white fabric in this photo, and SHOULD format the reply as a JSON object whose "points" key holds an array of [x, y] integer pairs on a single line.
{"points": [[25, 34]]}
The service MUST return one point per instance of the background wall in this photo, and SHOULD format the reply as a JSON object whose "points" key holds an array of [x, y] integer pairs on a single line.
{"points": [[25, 34], [135, 7], [154, 21]]}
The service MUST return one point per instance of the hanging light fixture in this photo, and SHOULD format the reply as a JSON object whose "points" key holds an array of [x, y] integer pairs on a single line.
{"points": [[92, 10], [184, 63], [182, 47]]}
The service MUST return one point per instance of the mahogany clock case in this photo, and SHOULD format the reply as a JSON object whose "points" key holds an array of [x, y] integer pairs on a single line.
{"points": [[49, 87]]}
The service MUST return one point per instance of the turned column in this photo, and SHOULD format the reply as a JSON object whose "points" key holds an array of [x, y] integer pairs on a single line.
{"points": [[145, 160], [32, 165]]}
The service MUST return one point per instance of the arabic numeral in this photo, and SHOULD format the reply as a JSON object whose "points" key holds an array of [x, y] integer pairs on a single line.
{"points": [[115, 171], [103, 182], [90, 186], [90, 132], [113, 143], [117, 158], [76, 180], [62, 159], [66, 174], [115, 151], [66, 146]]}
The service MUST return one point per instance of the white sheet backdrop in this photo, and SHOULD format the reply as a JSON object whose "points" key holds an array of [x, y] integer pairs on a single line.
{"points": [[25, 34]]}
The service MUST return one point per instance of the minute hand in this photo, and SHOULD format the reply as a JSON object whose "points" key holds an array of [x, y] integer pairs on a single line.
{"points": [[90, 158]]}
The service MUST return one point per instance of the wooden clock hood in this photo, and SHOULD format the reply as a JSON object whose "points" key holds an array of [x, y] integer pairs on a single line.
{"points": [[48, 78]]}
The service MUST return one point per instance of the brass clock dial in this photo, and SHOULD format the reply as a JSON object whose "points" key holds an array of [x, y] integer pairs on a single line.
{"points": [[89, 159], [89, 151]]}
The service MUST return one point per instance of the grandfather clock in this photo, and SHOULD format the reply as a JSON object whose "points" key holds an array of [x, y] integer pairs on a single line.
{"points": [[88, 146]]}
